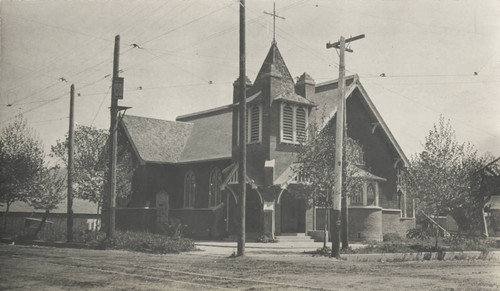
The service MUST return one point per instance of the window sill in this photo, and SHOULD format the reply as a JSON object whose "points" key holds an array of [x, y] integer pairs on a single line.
{"points": [[290, 142], [254, 142]]}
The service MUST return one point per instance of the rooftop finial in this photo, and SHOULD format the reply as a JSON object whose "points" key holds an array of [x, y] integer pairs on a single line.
{"points": [[274, 15]]}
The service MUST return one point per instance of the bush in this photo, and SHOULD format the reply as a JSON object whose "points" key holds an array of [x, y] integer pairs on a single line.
{"points": [[392, 237], [173, 229], [266, 238], [461, 243], [416, 233], [139, 242], [326, 251]]}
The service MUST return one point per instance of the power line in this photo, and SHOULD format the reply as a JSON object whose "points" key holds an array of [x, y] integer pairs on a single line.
{"points": [[47, 120], [58, 27], [427, 107], [100, 105], [188, 23]]}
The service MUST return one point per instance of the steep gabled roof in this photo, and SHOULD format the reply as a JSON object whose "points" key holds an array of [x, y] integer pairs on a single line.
{"points": [[201, 136], [155, 140], [274, 65], [211, 135], [326, 100]]}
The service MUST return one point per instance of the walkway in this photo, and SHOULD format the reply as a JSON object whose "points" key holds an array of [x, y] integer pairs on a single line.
{"points": [[220, 248]]}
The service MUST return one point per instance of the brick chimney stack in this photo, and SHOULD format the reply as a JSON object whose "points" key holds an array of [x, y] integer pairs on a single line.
{"points": [[305, 86], [236, 92]]}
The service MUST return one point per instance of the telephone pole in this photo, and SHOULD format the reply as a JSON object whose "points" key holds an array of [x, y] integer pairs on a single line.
{"points": [[242, 169], [69, 215], [115, 95], [339, 143]]}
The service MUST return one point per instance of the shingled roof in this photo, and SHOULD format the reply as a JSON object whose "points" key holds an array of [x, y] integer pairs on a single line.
{"points": [[275, 65], [202, 136], [155, 140], [327, 105], [211, 135]]}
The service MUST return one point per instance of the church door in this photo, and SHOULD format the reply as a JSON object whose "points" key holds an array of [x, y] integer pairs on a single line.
{"points": [[293, 214]]}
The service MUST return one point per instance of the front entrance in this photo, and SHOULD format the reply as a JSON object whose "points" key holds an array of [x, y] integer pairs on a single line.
{"points": [[253, 212], [293, 214]]}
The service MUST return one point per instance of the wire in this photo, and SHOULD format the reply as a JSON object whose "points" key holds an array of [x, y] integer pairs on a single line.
{"points": [[47, 120], [100, 106], [58, 27], [427, 107], [188, 23]]}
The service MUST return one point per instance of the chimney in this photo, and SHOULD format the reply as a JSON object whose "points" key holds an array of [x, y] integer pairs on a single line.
{"points": [[305, 86], [236, 91]]}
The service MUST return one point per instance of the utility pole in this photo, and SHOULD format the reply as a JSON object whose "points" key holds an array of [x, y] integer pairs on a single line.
{"points": [[115, 95], [242, 169], [339, 143], [69, 215]]}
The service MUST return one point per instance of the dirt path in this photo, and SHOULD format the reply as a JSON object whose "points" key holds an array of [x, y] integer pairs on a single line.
{"points": [[25, 268]]}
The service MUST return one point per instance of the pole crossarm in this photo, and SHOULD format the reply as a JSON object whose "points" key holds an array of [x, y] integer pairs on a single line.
{"points": [[337, 44], [339, 209]]}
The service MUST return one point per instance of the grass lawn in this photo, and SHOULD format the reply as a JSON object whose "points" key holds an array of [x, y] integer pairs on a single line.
{"points": [[45, 268]]}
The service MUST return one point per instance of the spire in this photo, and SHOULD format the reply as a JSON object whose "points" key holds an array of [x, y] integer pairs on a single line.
{"points": [[274, 15]]}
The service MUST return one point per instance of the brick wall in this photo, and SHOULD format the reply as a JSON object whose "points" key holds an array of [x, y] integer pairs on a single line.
{"points": [[393, 223], [365, 224]]}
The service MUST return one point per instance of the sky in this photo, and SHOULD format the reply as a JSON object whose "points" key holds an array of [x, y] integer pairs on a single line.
{"points": [[187, 59]]}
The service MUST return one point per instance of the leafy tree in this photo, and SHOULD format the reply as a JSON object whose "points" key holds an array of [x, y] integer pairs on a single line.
{"points": [[91, 164], [316, 157], [47, 193], [440, 176], [21, 160]]}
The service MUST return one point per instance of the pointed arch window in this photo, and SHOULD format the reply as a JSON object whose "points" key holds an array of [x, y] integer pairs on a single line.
{"points": [[215, 181], [189, 189], [370, 194]]}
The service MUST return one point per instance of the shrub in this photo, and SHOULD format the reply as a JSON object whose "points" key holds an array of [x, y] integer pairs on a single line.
{"points": [[462, 243], [172, 229], [416, 233], [392, 237], [139, 242], [326, 251], [266, 238]]}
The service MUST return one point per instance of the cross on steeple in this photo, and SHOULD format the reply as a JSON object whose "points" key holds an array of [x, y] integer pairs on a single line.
{"points": [[274, 15]]}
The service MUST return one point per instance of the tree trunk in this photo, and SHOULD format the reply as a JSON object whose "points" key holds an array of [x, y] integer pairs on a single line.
{"points": [[344, 220], [325, 233], [5, 218], [437, 229], [42, 223], [97, 224]]}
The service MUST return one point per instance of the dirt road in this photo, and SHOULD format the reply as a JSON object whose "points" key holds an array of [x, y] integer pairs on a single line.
{"points": [[44, 268]]}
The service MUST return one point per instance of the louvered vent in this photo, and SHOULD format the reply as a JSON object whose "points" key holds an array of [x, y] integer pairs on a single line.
{"points": [[287, 123], [300, 119], [254, 123]]}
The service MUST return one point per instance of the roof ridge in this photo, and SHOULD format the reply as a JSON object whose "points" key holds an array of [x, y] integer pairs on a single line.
{"points": [[202, 112], [353, 76], [143, 117]]}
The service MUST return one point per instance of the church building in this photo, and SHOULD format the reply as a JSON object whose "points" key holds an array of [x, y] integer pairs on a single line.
{"points": [[187, 169]]}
